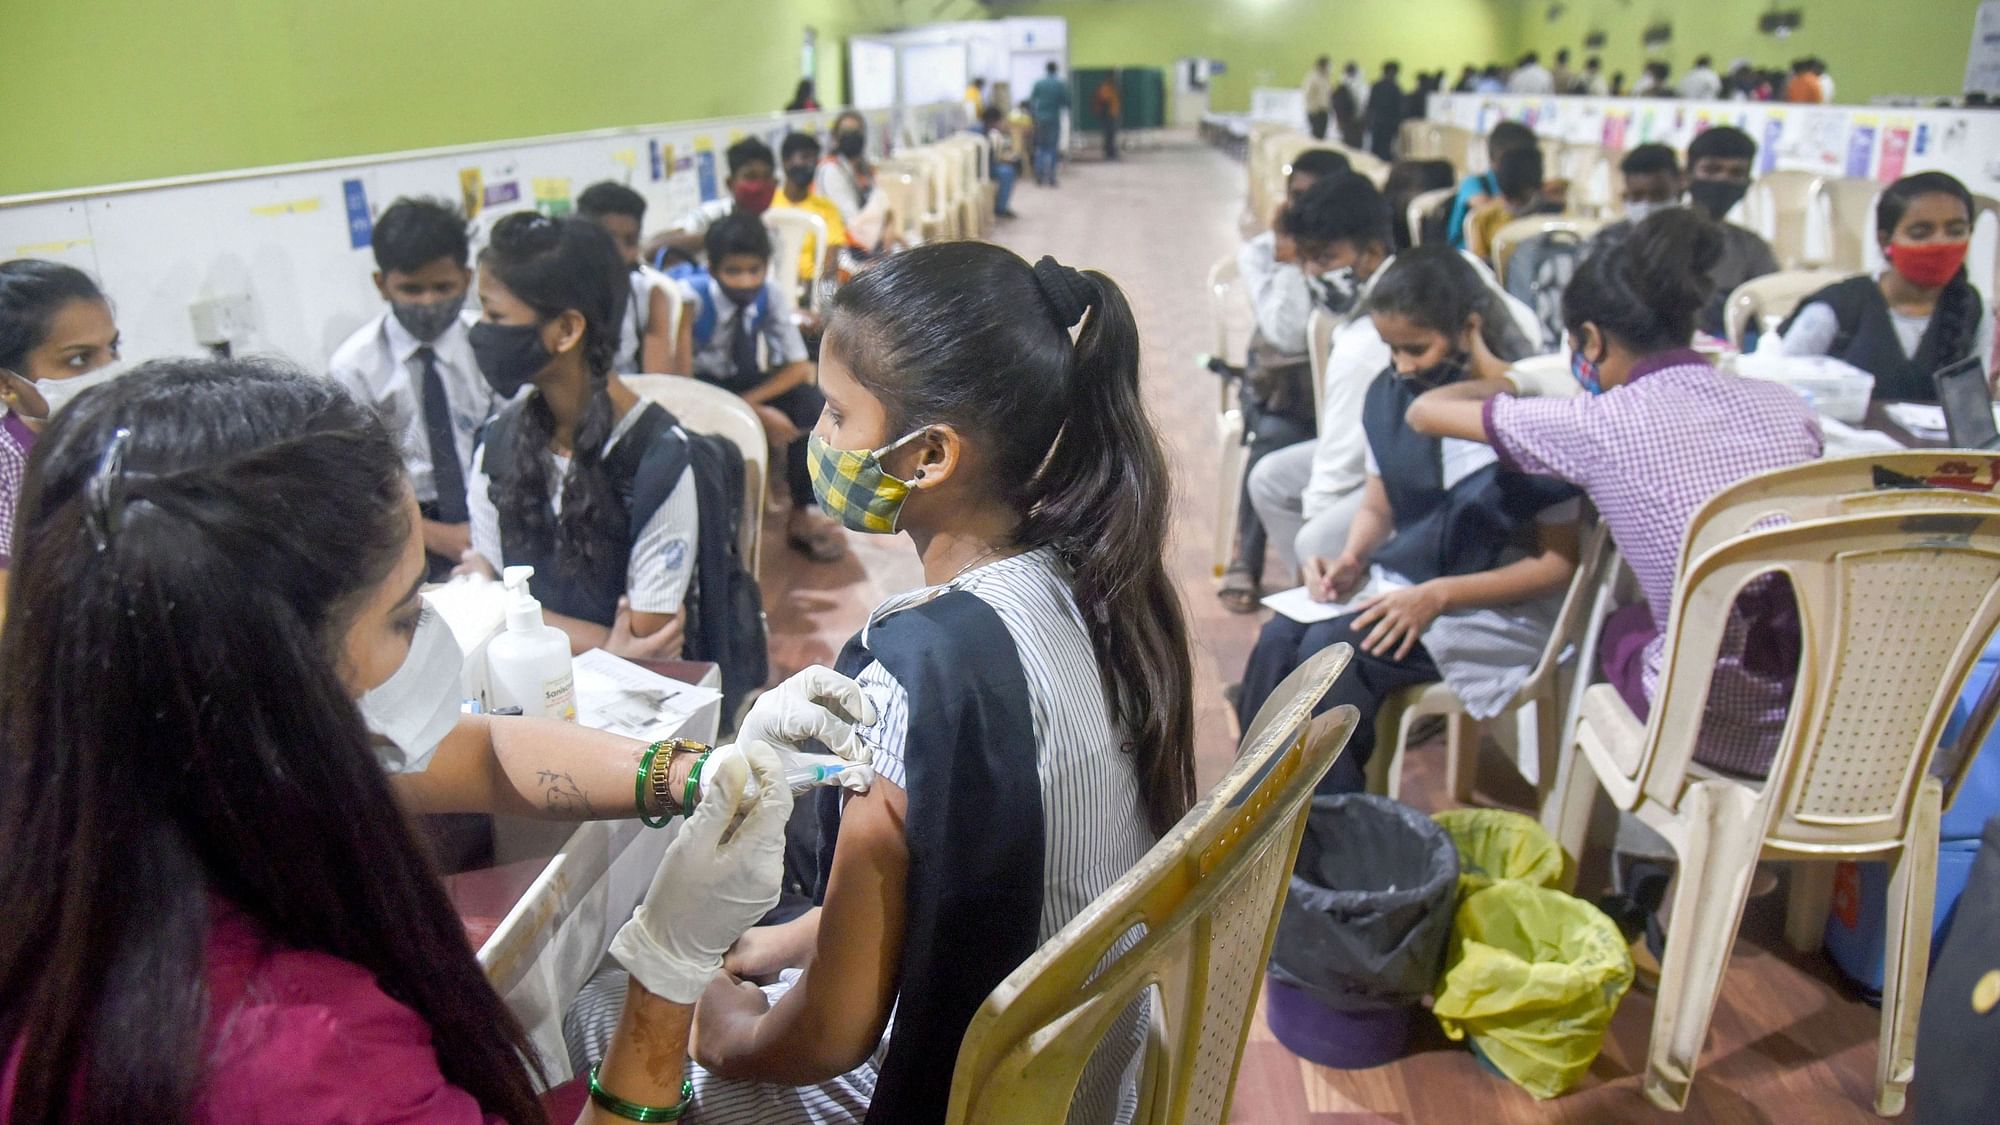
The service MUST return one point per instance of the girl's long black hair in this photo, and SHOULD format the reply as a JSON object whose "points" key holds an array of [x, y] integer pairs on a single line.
{"points": [[962, 333], [1648, 290], [1434, 287], [555, 266], [174, 730]]}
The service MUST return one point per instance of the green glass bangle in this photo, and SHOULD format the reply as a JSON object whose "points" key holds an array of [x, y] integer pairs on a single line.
{"points": [[632, 1111], [693, 791], [639, 788]]}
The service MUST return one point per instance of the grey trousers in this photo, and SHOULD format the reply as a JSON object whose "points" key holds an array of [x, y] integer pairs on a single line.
{"points": [[1277, 491]]}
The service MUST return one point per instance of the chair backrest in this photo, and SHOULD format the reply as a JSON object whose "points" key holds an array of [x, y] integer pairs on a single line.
{"points": [[1510, 237], [1421, 208], [1535, 258], [1223, 278], [906, 197], [1319, 343], [790, 229], [1766, 301], [711, 410], [1208, 895], [1850, 204], [1895, 607], [1983, 262], [1592, 555], [1841, 485], [1595, 187], [1788, 208]]}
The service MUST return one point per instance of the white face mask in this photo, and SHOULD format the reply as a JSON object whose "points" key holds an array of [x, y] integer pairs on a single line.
{"points": [[415, 708], [1640, 211], [59, 392]]}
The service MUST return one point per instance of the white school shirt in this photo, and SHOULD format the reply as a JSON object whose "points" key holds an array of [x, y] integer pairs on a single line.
{"points": [[1278, 296], [715, 359], [1535, 79], [836, 181], [1701, 85], [631, 333], [662, 559], [378, 365]]}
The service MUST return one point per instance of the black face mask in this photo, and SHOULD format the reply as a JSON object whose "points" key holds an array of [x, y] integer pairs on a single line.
{"points": [[799, 176], [850, 145], [1717, 196], [1448, 370], [427, 320], [509, 355], [741, 296]]}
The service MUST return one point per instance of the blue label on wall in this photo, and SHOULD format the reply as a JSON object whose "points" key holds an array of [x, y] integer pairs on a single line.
{"points": [[704, 166], [1923, 144], [1860, 150], [654, 160], [360, 227]]}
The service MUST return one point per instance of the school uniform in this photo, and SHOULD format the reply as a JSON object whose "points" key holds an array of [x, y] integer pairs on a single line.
{"points": [[1851, 320], [434, 399], [726, 336], [1455, 512], [16, 439], [1024, 806], [645, 281], [649, 561]]}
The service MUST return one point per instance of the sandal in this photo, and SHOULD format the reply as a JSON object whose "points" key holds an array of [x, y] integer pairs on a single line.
{"points": [[1240, 592], [821, 544]]}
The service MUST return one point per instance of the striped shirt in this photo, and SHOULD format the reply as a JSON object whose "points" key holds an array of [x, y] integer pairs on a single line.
{"points": [[1093, 823], [15, 440]]}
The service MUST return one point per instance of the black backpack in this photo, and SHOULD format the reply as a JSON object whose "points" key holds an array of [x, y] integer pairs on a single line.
{"points": [[725, 607], [1539, 271]]}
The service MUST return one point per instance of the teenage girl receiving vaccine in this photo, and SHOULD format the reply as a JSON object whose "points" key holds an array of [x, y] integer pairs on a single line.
{"points": [[1035, 736]]}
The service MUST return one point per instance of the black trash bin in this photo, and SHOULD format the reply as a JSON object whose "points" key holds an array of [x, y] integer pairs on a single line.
{"points": [[1362, 936]]}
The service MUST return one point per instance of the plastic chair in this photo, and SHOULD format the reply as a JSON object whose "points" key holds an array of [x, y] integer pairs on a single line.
{"points": [[1895, 606], [790, 230], [711, 410], [1208, 896], [1595, 188], [1768, 300], [1234, 459], [1985, 274], [1850, 222], [1510, 237], [906, 191], [1542, 688], [1320, 327], [1788, 209], [1422, 206], [1841, 486]]}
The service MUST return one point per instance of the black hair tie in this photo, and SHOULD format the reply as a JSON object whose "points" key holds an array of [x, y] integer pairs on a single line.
{"points": [[1068, 293]]}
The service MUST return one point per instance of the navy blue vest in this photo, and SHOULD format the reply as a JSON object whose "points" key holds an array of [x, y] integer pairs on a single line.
{"points": [[1867, 339]]}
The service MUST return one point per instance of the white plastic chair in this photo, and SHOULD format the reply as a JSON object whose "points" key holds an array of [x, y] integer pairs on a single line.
{"points": [[1895, 605], [1320, 326], [1789, 209], [790, 230], [1543, 689], [1234, 456], [711, 410], [1766, 301], [1851, 222], [1423, 205], [1509, 237]]}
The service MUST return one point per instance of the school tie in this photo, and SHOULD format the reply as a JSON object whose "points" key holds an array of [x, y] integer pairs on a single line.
{"points": [[446, 472], [743, 345]]}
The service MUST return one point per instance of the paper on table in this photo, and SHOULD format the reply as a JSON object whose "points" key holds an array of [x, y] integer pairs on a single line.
{"points": [[1842, 439], [1925, 420], [1298, 605], [617, 695]]}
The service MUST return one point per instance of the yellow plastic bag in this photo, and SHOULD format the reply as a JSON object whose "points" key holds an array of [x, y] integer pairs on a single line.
{"points": [[1494, 844], [1533, 976]]}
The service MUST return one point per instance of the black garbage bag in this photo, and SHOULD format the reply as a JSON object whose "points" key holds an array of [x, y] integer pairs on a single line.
{"points": [[1370, 905]]}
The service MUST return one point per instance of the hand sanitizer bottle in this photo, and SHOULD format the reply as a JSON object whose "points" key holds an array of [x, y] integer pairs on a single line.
{"points": [[528, 665]]}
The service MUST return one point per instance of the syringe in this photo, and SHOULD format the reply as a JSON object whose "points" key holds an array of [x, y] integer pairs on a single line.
{"points": [[802, 776]]}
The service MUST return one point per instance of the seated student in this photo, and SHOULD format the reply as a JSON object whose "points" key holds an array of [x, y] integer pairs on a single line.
{"points": [[1920, 314], [739, 305], [1481, 187], [1307, 494], [751, 184], [222, 557], [1652, 175], [847, 178], [1719, 161], [1004, 161], [649, 339], [415, 363], [578, 478], [1036, 732], [800, 153], [57, 340], [1658, 433], [1277, 394], [1519, 176], [1454, 566]]}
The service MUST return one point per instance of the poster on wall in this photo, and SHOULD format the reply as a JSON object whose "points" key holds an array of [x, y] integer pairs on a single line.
{"points": [[704, 168], [1767, 148], [1614, 131], [1860, 146], [360, 225], [1982, 62], [1895, 150]]}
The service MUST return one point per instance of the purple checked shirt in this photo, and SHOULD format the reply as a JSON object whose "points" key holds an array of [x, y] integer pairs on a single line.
{"points": [[1649, 454]]}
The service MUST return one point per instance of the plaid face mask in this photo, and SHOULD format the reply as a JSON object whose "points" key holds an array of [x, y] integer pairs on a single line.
{"points": [[852, 487]]}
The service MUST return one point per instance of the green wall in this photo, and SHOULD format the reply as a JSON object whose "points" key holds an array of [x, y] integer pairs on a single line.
{"points": [[1870, 47], [104, 91], [1273, 42]]}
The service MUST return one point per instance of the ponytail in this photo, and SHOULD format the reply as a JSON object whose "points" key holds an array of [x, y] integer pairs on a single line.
{"points": [[1648, 290], [968, 335], [1101, 501]]}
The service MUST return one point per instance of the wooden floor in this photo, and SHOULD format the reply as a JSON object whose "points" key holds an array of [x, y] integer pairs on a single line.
{"points": [[1788, 1043]]}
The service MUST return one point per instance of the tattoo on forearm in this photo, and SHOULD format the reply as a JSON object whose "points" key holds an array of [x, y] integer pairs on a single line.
{"points": [[561, 796]]}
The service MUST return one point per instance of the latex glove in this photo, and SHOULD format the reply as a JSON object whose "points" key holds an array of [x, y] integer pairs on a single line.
{"points": [[1543, 376], [708, 889], [819, 703]]}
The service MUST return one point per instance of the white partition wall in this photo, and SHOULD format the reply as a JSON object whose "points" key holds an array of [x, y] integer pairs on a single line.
{"points": [[284, 251]]}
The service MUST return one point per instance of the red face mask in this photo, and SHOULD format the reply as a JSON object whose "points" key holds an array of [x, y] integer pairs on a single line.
{"points": [[1927, 264], [754, 196]]}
